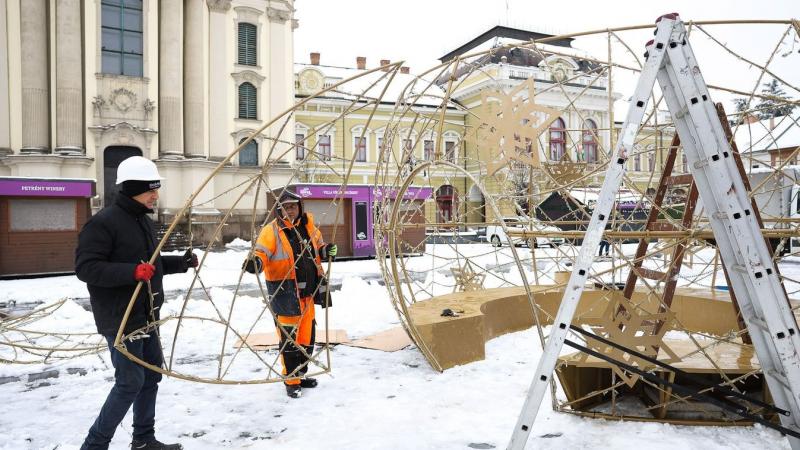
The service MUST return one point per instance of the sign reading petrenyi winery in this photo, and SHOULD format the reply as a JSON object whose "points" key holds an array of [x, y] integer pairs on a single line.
{"points": [[29, 187]]}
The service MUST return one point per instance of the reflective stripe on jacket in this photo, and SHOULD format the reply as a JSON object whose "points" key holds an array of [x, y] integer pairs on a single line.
{"points": [[278, 261]]}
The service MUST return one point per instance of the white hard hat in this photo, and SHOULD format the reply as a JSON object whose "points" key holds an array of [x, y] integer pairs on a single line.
{"points": [[137, 168]]}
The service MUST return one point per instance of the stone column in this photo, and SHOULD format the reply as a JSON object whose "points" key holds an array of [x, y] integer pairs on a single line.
{"points": [[219, 68], [281, 75], [193, 76], [69, 78], [5, 115], [170, 79], [35, 92]]}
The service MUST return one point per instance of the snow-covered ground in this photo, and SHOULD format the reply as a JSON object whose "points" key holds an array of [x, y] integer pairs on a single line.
{"points": [[371, 399]]}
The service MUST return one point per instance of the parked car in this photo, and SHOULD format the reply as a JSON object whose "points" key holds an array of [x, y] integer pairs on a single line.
{"points": [[497, 236]]}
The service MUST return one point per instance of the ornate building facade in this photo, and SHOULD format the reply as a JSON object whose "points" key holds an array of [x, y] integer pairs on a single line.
{"points": [[85, 84]]}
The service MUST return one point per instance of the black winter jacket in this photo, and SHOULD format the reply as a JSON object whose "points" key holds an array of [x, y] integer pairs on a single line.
{"points": [[110, 246]]}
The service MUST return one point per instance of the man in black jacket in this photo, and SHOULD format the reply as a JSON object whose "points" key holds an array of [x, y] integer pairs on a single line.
{"points": [[113, 249]]}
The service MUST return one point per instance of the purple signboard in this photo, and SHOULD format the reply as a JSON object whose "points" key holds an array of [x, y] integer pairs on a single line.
{"points": [[412, 193], [321, 191], [363, 198], [30, 187]]}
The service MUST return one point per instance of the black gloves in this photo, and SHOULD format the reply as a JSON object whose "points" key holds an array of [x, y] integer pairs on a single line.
{"points": [[190, 259], [253, 265]]}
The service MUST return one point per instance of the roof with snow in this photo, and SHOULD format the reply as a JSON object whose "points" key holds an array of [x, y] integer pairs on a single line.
{"points": [[500, 31], [769, 134], [412, 88]]}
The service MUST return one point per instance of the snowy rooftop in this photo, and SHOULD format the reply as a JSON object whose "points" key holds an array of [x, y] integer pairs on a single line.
{"points": [[768, 134], [371, 85]]}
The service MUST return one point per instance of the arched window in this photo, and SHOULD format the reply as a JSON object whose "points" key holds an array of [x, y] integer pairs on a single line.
{"points": [[324, 147], [589, 140], [446, 204], [248, 156], [651, 158], [247, 101], [558, 140], [247, 44], [299, 146], [360, 148], [122, 42], [427, 146]]}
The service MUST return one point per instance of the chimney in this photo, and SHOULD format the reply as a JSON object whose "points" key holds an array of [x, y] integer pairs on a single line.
{"points": [[315, 58], [404, 69], [385, 62], [361, 62]]}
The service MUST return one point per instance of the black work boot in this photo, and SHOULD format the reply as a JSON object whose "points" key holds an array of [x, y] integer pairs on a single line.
{"points": [[154, 445], [294, 390], [308, 383]]}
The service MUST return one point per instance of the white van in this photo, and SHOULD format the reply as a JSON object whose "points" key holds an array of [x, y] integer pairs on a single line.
{"points": [[497, 236]]}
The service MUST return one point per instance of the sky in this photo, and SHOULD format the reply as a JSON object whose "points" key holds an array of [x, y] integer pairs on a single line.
{"points": [[421, 31]]}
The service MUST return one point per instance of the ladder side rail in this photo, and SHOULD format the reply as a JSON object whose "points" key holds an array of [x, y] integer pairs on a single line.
{"points": [[600, 215], [704, 180], [768, 295], [762, 343], [740, 241], [652, 217]]}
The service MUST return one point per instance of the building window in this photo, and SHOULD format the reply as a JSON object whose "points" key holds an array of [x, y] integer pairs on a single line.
{"points": [[324, 147], [589, 141], [651, 161], [248, 156], [637, 162], [450, 151], [557, 140], [247, 101], [299, 146], [684, 164], [407, 145], [428, 150], [446, 204], [122, 41], [360, 148], [247, 44]]}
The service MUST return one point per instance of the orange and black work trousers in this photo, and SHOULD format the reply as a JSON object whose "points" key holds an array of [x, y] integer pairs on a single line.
{"points": [[302, 331]]}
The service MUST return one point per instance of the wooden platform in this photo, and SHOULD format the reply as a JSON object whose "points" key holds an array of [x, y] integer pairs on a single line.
{"points": [[484, 315]]}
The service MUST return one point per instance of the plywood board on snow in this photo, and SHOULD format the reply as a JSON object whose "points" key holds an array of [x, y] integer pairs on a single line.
{"points": [[263, 341], [390, 340]]}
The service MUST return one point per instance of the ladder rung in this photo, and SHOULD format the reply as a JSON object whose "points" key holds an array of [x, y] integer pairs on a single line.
{"points": [[651, 274], [661, 226], [678, 180], [739, 268]]}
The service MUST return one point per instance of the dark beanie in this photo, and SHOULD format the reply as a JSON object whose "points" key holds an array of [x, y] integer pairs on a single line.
{"points": [[132, 188]]}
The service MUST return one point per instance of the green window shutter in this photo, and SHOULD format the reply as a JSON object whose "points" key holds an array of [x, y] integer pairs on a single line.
{"points": [[247, 44], [247, 101]]}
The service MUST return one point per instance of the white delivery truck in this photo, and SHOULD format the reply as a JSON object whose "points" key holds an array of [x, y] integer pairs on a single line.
{"points": [[776, 195]]}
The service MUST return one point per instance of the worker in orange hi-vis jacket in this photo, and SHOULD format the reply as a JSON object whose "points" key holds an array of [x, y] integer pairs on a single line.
{"points": [[289, 251]]}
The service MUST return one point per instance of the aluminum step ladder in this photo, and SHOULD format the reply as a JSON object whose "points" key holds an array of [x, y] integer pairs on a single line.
{"points": [[754, 277]]}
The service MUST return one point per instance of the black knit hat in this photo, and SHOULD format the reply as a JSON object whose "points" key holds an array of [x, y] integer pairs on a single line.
{"points": [[132, 188]]}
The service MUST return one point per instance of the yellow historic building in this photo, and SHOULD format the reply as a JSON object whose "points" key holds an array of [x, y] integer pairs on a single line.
{"points": [[576, 139]]}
